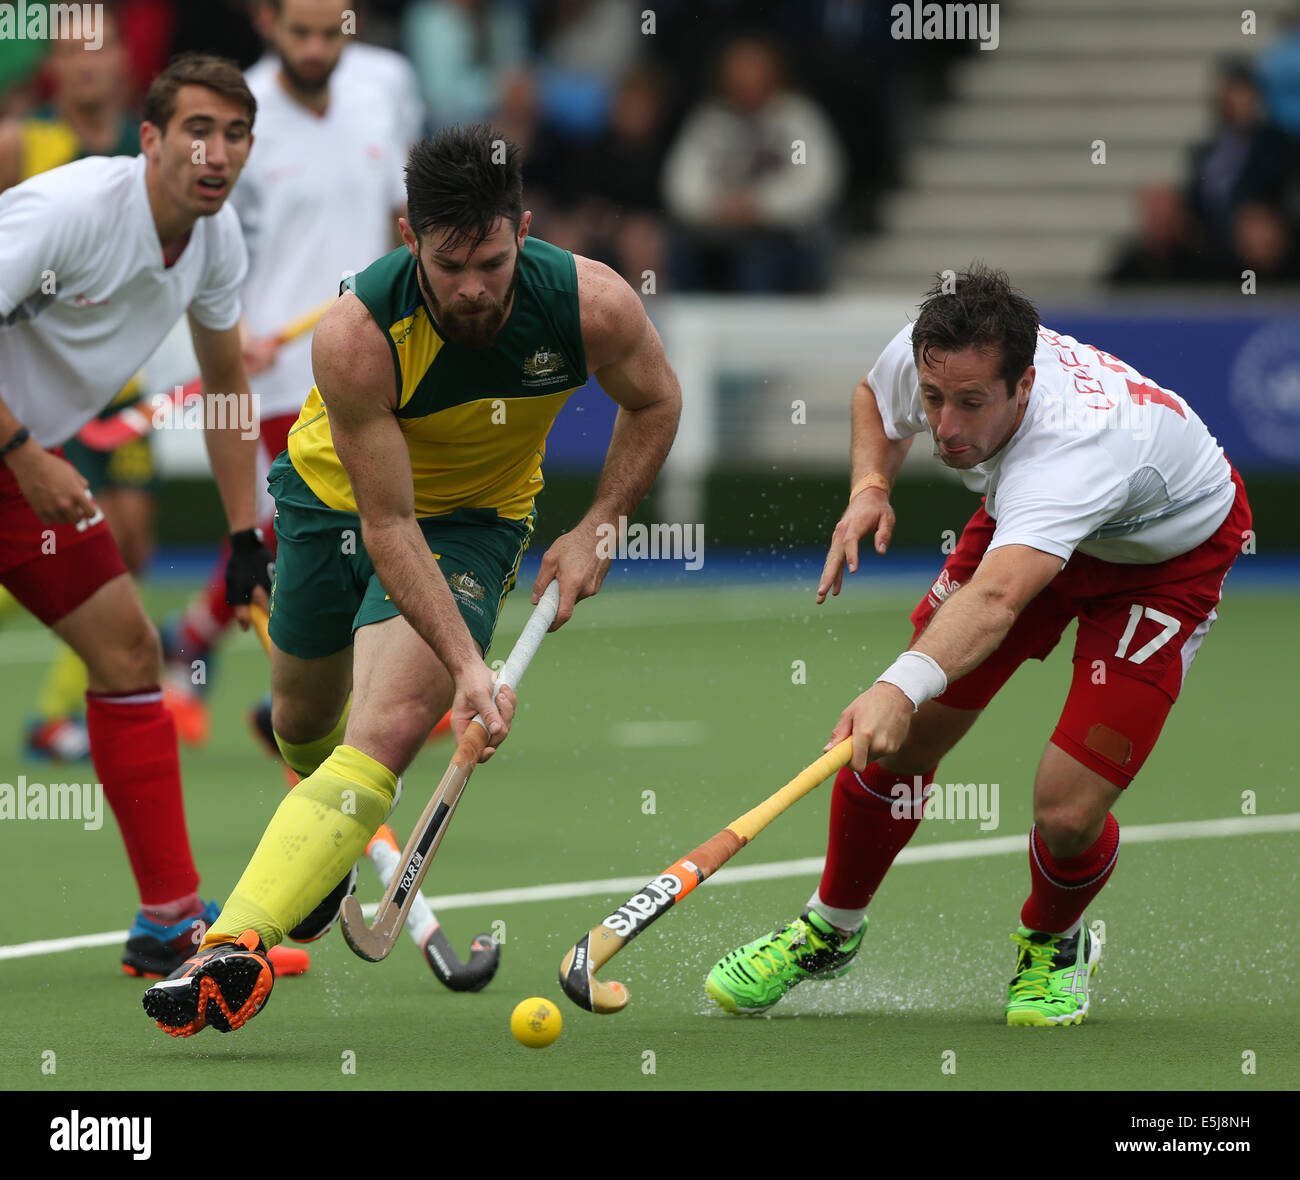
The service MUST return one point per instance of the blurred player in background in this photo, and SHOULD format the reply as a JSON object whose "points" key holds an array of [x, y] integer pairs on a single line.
{"points": [[319, 199], [1106, 500], [98, 259], [405, 502]]}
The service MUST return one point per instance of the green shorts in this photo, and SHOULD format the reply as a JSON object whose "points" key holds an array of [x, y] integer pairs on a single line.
{"points": [[325, 584]]}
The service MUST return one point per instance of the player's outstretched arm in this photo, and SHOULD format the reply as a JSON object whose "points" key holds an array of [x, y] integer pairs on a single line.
{"points": [[964, 632], [872, 452], [627, 357], [354, 372]]}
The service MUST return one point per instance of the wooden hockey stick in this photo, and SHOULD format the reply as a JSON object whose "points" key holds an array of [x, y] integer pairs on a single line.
{"points": [[657, 897], [374, 942]]}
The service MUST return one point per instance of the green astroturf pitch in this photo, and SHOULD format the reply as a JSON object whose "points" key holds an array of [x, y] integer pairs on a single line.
{"points": [[651, 721]]}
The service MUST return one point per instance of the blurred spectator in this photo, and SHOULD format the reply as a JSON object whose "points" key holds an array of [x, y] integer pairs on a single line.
{"points": [[752, 181], [1245, 160], [1265, 243], [611, 199], [597, 37], [586, 46], [518, 116], [1164, 250], [843, 53], [461, 49], [86, 113], [1278, 71]]}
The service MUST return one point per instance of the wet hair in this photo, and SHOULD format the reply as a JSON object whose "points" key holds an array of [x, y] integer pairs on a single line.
{"points": [[984, 312], [461, 181]]}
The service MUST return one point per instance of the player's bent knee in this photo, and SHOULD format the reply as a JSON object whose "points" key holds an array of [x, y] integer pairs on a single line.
{"points": [[297, 723], [395, 738], [1069, 828], [126, 661]]}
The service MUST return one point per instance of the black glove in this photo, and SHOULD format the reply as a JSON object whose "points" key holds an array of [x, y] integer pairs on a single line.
{"points": [[250, 565]]}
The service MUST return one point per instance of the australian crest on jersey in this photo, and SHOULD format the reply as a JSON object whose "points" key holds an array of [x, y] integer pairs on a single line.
{"points": [[546, 368]]}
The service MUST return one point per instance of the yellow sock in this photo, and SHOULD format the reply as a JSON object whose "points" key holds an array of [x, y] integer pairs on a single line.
{"points": [[63, 692], [317, 834], [304, 759]]}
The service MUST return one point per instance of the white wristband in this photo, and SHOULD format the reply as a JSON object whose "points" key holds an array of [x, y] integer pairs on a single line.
{"points": [[917, 675]]}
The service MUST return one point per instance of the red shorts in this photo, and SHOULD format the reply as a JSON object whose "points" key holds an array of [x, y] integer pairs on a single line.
{"points": [[51, 568], [1140, 627]]}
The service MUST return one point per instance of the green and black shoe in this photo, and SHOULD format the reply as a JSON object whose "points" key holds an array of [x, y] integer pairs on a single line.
{"points": [[752, 978], [1053, 978]]}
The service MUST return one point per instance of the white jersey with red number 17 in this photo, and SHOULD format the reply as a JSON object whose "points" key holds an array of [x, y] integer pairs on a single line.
{"points": [[1104, 461], [85, 294]]}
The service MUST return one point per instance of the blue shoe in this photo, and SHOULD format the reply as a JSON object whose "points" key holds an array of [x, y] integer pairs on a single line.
{"points": [[155, 950], [64, 739]]}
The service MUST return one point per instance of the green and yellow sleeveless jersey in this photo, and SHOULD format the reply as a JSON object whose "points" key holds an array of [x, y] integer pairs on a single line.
{"points": [[475, 421]]}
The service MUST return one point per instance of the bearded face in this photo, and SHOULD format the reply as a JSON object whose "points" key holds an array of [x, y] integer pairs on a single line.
{"points": [[469, 286]]}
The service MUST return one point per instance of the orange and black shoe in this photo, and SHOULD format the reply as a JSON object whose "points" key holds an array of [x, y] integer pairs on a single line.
{"points": [[224, 986]]}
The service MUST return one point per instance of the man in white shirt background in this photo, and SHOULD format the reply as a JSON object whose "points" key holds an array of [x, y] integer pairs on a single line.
{"points": [[318, 199]]}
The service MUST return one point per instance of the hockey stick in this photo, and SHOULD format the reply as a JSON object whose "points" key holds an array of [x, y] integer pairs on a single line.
{"points": [[422, 924], [127, 425], [374, 942], [657, 897]]}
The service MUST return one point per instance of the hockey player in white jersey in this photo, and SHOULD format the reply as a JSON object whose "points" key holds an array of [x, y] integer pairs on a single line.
{"points": [[1106, 500], [98, 259]]}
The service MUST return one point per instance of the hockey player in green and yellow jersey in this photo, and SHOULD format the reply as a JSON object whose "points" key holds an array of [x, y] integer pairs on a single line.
{"points": [[404, 503]]}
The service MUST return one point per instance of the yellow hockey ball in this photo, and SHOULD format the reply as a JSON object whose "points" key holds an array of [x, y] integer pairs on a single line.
{"points": [[535, 1022]]}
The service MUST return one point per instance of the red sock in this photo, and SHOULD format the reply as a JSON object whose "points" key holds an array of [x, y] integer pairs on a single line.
{"points": [[1063, 887], [133, 744], [866, 834]]}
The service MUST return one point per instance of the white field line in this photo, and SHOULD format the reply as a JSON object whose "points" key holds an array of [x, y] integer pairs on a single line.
{"points": [[774, 870]]}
